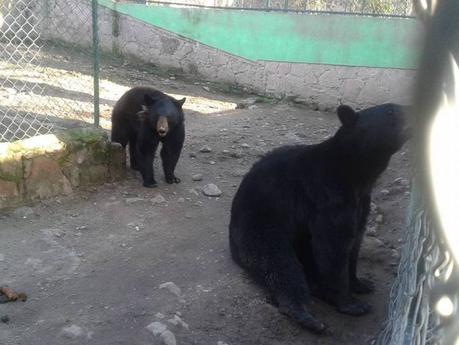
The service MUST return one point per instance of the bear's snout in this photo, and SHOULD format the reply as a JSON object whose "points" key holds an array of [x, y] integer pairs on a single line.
{"points": [[162, 127]]}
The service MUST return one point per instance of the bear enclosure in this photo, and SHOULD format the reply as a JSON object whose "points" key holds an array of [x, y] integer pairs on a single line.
{"points": [[58, 59]]}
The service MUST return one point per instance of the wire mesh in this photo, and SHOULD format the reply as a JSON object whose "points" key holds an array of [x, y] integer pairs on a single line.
{"points": [[39, 85], [424, 261]]}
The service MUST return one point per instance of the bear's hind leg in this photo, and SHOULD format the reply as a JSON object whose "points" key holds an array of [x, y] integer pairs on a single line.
{"points": [[281, 273], [133, 152], [360, 285], [145, 156], [119, 133], [293, 302], [332, 245]]}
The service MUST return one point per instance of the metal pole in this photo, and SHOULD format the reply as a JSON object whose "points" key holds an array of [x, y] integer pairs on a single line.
{"points": [[95, 53]]}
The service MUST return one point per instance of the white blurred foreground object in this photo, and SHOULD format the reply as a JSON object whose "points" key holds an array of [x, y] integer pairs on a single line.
{"points": [[444, 163]]}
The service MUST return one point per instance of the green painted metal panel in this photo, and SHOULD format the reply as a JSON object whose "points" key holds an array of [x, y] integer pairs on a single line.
{"points": [[334, 39]]}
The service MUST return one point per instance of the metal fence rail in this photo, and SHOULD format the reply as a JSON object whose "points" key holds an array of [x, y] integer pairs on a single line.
{"points": [[38, 85], [371, 7]]}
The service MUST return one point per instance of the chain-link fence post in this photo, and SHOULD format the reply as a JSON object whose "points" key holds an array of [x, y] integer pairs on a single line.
{"points": [[95, 50]]}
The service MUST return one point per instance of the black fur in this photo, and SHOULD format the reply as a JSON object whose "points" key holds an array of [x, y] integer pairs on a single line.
{"points": [[134, 121], [298, 218]]}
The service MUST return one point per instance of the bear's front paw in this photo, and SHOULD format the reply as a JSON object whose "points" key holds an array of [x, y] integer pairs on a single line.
{"points": [[173, 179], [150, 184], [362, 286], [354, 308]]}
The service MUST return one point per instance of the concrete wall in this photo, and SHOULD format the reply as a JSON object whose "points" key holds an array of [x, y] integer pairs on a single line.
{"points": [[321, 84]]}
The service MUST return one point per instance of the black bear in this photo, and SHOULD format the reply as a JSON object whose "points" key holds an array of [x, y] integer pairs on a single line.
{"points": [[298, 217], [143, 117]]}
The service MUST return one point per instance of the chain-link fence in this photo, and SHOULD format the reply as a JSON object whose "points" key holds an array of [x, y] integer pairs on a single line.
{"points": [[369, 7], [45, 75]]}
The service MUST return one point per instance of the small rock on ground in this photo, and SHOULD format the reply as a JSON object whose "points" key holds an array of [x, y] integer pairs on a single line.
{"points": [[177, 321], [171, 287], [72, 331], [157, 327], [384, 192], [168, 338], [372, 231], [205, 149], [159, 315], [236, 154], [158, 199], [211, 190], [130, 201], [197, 177], [402, 181], [246, 103]]}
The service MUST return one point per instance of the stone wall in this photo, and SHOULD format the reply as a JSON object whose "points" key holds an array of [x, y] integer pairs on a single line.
{"points": [[322, 86], [50, 165]]}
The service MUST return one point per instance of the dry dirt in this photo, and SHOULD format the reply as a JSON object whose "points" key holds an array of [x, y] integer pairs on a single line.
{"points": [[93, 264]]}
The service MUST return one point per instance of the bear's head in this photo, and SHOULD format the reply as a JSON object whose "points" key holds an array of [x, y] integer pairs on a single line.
{"points": [[377, 131], [162, 113]]}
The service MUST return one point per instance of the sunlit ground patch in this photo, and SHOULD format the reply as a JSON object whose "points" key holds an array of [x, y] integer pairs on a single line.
{"points": [[46, 92]]}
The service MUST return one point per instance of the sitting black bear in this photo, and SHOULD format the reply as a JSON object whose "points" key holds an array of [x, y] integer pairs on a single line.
{"points": [[298, 218], [143, 117]]}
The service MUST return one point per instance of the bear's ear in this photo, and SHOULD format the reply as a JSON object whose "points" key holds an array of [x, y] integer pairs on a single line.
{"points": [[347, 115], [149, 100], [179, 102]]}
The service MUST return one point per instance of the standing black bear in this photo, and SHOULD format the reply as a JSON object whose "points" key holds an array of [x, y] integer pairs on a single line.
{"points": [[144, 117], [298, 218]]}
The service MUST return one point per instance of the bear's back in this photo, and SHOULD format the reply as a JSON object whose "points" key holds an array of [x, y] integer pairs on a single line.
{"points": [[131, 102]]}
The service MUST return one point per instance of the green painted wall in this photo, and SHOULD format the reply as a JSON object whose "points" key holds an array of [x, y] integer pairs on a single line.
{"points": [[347, 40]]}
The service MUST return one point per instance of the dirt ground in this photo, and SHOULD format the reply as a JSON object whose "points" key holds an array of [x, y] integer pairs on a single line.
{"points": [[122, 264]]}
